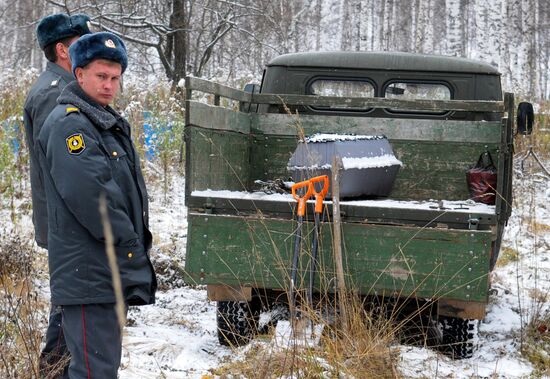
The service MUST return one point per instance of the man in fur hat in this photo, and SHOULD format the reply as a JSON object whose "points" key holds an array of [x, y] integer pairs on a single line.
{"points": [[86, 152], [55, 34]]}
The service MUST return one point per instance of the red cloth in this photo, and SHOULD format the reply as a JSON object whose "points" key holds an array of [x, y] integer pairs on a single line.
{"points": [[482, 184], [482, 180]]}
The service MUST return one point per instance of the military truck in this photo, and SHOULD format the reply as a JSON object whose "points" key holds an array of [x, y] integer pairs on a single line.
{"points": [[428, 244]]}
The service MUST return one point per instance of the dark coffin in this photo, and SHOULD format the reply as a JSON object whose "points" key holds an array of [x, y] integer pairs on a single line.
{"points": [[369, 165]]}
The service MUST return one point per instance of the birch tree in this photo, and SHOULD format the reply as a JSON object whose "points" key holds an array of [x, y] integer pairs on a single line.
{"points": [[232, 39]]}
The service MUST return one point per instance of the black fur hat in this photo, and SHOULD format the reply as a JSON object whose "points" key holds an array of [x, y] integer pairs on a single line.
{"points": [[58, 26], [102, 45]]}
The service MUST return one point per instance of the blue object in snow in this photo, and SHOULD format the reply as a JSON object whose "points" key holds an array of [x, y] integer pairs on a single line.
{"points": [[150, 137], [13, 130], [152, 130]]}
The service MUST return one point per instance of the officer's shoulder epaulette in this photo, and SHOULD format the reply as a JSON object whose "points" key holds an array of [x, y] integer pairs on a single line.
{"points": [[71, 109]]}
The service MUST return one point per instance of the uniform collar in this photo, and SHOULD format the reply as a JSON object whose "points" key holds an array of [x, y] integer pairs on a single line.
{"points": [[58, 70], [104, 117]]}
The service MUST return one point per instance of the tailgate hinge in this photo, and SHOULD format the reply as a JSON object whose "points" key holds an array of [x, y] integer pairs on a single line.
{"points": [[208, 206], [473, 223]]}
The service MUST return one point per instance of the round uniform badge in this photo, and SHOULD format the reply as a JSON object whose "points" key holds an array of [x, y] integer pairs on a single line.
{"points": [[75, 144], [110, 43]]}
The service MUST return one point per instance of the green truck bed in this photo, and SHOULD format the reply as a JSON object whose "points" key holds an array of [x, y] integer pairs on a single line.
{"points": [[420, 248]]}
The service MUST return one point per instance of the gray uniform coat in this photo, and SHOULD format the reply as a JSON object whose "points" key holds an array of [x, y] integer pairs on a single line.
{"points": [[85, 150], [41, 99]]}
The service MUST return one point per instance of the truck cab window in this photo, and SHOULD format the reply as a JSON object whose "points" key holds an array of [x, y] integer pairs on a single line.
{"points": [[342, 88], [417, 91]]}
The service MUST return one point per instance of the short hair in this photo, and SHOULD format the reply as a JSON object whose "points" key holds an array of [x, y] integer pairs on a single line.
{"points": [[50, 52]]}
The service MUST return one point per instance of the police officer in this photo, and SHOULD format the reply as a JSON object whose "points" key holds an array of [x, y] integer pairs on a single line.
{"points": [[55, 34], [85, 150]]}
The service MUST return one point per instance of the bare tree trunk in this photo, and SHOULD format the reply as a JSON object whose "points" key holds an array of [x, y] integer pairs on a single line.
{"points": [[346, 26], [439, 10], [542, 31], [371, 25], [382, 38], [456, 39], [36, 54], [318, 20], [358, 16], [178, 20], [504, 51], [402, 25], [531, 46]]}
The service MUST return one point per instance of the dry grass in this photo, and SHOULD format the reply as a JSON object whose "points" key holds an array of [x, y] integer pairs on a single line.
{"points": [[362, 350], [22, 310], [535, 346], [507, 255]]}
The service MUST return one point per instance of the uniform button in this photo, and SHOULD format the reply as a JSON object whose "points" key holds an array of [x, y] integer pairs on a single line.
{"points": [[115, 153], [130, 254]]}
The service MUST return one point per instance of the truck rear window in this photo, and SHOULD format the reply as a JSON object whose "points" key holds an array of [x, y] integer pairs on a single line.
{"points": [[417, 91], [342, 88]]}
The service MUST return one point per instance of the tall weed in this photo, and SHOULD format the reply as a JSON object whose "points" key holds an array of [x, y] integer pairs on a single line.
{"points": [[13, 148], [22, 310], [160, 144], [533, 159]]}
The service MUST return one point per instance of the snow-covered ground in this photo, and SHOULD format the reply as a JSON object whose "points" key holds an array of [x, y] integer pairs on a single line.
{"points": [[176, 337], [512, 303]]}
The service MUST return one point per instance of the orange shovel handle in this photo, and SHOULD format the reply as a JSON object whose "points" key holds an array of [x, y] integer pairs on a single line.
{"points": [[319, 195], [301, 200]]}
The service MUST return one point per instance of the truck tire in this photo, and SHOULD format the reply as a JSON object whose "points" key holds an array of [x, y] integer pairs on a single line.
{"points": [[458, 336], [237, 322]]}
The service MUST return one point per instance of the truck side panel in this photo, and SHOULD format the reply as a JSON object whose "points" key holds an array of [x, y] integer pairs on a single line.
{"points": [[217, 141]]}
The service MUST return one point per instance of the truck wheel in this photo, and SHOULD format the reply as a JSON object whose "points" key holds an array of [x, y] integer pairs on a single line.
{"points": [[237, 322], [458, 336]]}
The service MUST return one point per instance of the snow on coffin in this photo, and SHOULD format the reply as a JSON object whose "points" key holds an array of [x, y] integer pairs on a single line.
{"points": [[369, 165]]}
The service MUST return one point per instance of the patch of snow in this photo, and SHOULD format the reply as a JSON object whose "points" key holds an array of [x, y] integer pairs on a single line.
{"points": [[466, 206], [328, 137], [177, 335], [360, 163], [385, 160], [304, 335], [326, 166], [224, 194], [418, 362]]}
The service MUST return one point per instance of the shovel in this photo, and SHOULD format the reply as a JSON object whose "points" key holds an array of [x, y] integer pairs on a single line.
{"points": [[301, 211], [319, 197]]}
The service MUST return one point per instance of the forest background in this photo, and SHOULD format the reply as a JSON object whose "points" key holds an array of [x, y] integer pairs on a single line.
{"points": [[232, 40]]}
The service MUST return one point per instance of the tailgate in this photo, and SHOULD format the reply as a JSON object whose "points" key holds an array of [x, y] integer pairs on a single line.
{"points": [[428, 253]]}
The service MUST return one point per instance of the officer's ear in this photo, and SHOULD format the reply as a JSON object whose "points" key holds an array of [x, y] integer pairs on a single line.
{"points": [[61, 51], [79, 74]]}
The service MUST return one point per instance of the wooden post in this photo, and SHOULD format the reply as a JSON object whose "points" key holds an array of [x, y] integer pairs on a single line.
{"points": [[340, 280]]}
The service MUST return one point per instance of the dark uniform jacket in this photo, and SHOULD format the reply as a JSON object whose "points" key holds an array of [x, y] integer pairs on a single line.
{"points": [[42, 98], [85, 150]]}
